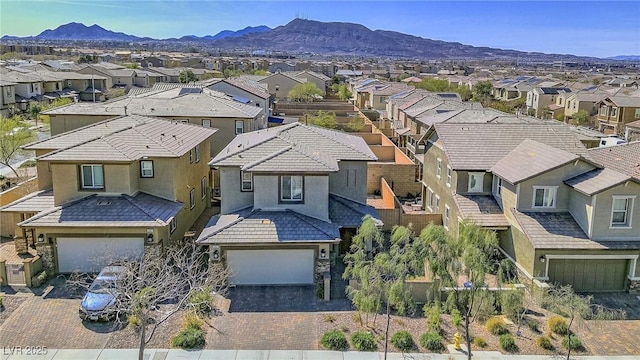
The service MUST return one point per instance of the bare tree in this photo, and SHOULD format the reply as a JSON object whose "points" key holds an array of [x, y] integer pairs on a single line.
{"points": [[577, 308], [159, 286]]}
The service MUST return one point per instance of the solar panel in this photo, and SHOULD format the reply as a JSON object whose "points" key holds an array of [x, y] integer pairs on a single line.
{"points": [[448, 95], [184, 91]]}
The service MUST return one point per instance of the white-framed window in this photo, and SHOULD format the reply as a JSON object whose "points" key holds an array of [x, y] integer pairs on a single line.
{"points": [[637, 114], [92, 176], [432, 199], [203, 187], [497, 186], [192, 198], [247, 181], [476, 182], [146, 168], [614, 111], [291, 188], [447, 217], [448, 175], [544, 196], [621, 211], [173, 224], [197, 151], [239, 127], [437, 208], [206, 123], [603, 110], [439, 168]]}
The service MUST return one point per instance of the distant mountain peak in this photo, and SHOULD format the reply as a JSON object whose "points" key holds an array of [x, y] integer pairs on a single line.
{"points": [[79, 31]]}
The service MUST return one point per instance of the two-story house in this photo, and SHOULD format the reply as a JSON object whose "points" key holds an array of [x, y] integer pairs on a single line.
{"points": [[289, 196], [560, 217], [245, 91], [113, 190], [7, 96], [616, 111], [279, 84], [578, 101], [541, 99]]}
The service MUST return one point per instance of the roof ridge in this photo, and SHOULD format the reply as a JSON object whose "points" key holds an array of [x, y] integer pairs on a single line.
{"points": [[265, 158], [332, 138], [302, 149], [276, 131], [159, 143], [130, 199]]}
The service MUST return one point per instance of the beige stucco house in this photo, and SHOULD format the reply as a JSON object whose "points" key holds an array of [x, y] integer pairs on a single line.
{"points": [[288, 194], [616, 111], [560, 216], [113, 190]]}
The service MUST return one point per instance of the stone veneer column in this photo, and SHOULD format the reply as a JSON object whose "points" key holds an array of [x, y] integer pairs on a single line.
{"points": [[45, 250], [634, 286]]}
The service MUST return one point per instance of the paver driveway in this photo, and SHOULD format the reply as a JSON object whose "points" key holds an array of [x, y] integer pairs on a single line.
{"points": [[53, 323], [270, 317]]}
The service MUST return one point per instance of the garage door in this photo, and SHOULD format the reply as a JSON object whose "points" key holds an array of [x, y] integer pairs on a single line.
{"points": [[589, 274], [271, 267], [91, 254]]}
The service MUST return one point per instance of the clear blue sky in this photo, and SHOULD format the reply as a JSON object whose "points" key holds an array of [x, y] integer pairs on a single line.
{"points": [[591, 28]]}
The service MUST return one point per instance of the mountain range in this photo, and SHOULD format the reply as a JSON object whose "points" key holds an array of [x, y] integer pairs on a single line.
{"points": [[308, 36]]}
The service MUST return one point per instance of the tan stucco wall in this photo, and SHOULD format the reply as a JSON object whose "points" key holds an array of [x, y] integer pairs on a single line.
{"points": [[316, 195], [66, 181], [64, 123], [284, 83], [343, 182], [602, 214]]}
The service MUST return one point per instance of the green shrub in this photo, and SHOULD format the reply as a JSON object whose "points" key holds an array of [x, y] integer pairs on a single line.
{"points": [[575, 342], [432, 341], [334, 340], [133, 320], [329, 318], [545, 343], [511, 303], [456, 318], [558, 325], [508, 344], [364, 341], [479, 342], [201, 301], [496, 326], [189, 338], [191, 320], [403, 341], [432, 313], [1, 304]]}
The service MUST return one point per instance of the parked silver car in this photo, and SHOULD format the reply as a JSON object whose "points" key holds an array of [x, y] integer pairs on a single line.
{"points": [[98, 303]]}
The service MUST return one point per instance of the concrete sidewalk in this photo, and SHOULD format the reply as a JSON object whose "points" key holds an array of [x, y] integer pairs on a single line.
{"points": [[17, 353]]}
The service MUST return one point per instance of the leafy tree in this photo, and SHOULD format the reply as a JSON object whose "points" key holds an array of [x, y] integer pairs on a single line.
{"points": [[465, 92], [186, 76], [578, 308], [305, 92], [159, 286], [344, 93], [14, 133], [582, 117], [132, 66], [451, 258], [355, 124], [34, 110], [482, 91], [325, 119]]}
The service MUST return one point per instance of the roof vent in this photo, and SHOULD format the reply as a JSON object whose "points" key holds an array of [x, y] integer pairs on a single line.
{"points": [[266, 221], [103, 203]]}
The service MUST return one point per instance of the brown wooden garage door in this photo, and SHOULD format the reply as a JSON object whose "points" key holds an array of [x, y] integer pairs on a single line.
{"points": [[589, 274]]}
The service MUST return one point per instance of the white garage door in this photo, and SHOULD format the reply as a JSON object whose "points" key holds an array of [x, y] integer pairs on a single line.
{"points": [[271, 267], [91, 254]]}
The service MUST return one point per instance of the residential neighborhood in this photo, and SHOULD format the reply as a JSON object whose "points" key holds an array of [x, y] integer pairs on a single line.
{"points": [[158, 203]]}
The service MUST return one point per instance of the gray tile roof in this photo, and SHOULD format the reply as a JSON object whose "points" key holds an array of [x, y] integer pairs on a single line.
{"points": [[249, 86], [624, 158], [32, 203], [293, 148], [625, 101], [530, 158], [259, 226], [208, 104], [140, 210], [89, 132], [152, 138], [480, 146], [596, 181], [558, 230], [482, 210]]}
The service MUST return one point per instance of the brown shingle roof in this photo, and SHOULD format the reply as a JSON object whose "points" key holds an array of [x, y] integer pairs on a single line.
{"points": [[480, 146], [529, 159]]}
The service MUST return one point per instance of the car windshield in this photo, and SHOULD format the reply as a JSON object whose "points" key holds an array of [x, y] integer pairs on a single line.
{"points": [[102, 286]]}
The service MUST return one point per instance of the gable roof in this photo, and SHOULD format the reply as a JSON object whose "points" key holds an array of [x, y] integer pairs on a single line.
{"points": [[624, 101], [140, 210], [480, 146], [530, 158], [293, 148], [624, 158], [249, 86], [147, 137], [596, 181]]}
